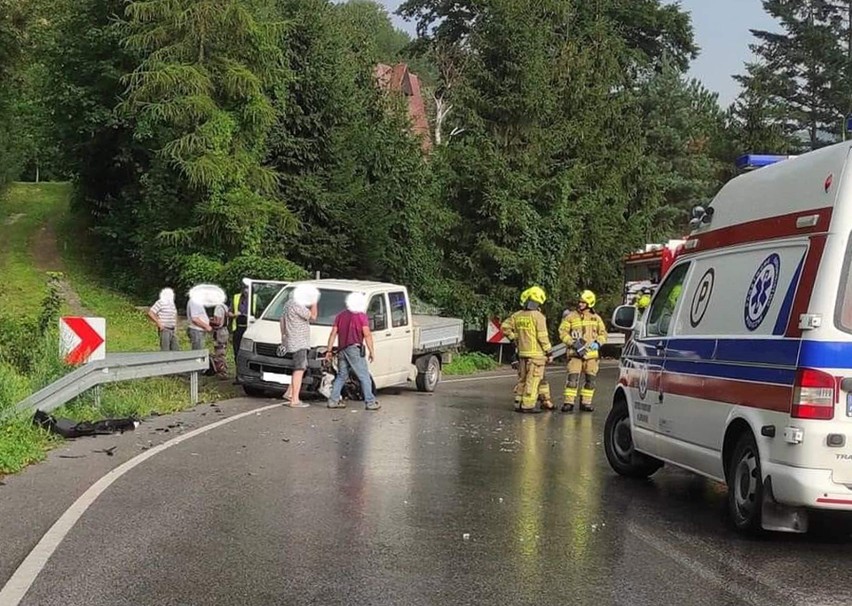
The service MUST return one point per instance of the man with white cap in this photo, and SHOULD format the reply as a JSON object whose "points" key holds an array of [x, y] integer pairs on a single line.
{"points": [[352, 331], [163, 313], [296, 320]]}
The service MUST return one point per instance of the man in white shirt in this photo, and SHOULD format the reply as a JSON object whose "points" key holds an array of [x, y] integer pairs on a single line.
{"points": [[163, 313], [199, 324]]}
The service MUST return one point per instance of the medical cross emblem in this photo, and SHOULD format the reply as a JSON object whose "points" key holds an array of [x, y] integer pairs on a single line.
{"points": [[762, 291]]}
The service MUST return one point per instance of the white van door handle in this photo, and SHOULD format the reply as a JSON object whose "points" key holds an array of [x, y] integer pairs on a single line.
{"points": [[660, 347], [388, 334]]}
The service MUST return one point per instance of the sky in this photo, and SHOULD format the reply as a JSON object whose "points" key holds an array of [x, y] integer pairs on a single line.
{"points": [[721, 30]]}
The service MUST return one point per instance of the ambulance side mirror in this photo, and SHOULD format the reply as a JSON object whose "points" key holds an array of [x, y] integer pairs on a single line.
{"points": [[625, 318]]}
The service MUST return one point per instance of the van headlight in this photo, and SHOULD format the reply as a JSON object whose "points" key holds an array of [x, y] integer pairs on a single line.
{"points": [[246, 345]]}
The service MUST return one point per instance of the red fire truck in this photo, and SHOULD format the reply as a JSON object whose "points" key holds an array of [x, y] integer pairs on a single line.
{"points": [[644, 269]]}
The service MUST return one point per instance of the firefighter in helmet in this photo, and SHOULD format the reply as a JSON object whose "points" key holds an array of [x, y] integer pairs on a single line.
{"points": [[643, 301], [584, 332], [527, 328]]}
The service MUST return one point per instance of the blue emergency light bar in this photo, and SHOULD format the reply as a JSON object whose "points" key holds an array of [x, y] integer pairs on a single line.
{"points": [[752, 161]]}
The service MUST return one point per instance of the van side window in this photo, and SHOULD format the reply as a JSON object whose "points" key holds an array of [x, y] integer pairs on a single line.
{"points": [[665, 302], [377, 313], [399, 309]]}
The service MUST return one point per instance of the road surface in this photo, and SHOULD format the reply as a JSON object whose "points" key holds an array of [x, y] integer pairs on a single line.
{"points": [[439, 499]]}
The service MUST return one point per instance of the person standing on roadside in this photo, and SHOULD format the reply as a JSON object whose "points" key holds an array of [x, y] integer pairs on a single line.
{"points": [[220, 339], [351, 330], [199, 324], [163, 313], [296, 320], [240, 311]]}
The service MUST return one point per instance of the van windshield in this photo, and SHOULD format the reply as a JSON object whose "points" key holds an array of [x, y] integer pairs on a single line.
{"points": [[331, 303]]}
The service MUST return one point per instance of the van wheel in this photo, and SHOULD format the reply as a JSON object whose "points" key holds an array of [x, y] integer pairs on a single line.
{"points": [[745, 486], [254, 392], [428, 374], [618, 445]]}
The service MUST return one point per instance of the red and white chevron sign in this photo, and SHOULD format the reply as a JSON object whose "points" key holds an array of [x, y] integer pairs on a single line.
{"points": [[82, 340]]}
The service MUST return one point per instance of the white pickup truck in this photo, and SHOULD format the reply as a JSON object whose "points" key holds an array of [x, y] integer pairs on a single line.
{"points": [[407, 347]]}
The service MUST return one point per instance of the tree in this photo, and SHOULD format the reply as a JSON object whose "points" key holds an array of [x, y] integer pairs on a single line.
{"points": [[352, 173], [801, 72], [199, 97], [552, 179], [13, 26], [759, 117]]}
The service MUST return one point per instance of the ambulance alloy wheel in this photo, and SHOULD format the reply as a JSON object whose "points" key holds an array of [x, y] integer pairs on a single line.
{"points": [[618, 444], [745, 485]]}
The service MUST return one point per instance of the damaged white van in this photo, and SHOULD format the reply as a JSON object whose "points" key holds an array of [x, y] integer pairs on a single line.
{"points": [[741, 368]]}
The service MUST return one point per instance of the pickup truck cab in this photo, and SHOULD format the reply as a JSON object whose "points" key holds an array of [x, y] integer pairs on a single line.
{"points": [[741, 367], [407, 347]]}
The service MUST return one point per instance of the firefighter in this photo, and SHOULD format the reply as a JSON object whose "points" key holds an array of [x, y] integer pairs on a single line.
{"points": [[643, 302], [527, 328], [584, 332]]}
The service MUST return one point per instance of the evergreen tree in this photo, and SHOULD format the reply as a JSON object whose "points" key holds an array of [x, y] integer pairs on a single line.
{"points": [[801, 73]]}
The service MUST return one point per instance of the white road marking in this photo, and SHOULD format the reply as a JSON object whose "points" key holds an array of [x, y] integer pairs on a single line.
{"points": [[20, 582]]}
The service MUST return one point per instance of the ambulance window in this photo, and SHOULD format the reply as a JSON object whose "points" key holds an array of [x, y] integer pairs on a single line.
{"points": [[665, 302], [843, 313]]}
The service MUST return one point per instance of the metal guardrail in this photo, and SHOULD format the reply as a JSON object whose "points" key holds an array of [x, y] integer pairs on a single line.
{"points": [[613, 339], [115, 368]]}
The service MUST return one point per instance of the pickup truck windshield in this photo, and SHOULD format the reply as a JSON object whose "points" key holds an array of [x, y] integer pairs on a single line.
{"points": [[331, 303]]}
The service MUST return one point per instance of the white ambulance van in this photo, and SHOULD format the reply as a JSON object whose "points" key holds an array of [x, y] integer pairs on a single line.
{"points": [[741, 368]]}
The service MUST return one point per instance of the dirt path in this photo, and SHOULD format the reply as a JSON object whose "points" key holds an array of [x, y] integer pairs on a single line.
{"points": [[46, 257]]}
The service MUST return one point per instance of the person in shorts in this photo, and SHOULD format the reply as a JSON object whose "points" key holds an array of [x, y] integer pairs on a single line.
{"points": [[296, 320]]}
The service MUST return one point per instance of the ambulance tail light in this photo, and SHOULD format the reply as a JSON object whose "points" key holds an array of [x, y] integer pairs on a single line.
{"points": [[814, 395]]}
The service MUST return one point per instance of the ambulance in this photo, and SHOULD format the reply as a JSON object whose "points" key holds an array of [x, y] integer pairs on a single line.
{"points": [[741, 368]]}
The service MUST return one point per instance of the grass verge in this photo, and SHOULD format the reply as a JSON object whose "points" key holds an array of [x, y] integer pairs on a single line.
{"points": [[470, 363], [25, 209]]}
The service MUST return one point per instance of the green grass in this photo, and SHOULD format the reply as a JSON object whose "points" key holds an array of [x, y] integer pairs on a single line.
{"points": [[23, 209], [470, 363], [22, 290]]}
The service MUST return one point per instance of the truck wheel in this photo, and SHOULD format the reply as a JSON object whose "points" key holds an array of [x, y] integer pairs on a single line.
{"points": [[428, 374], [618, 445], [745, 486], [254, 392]]}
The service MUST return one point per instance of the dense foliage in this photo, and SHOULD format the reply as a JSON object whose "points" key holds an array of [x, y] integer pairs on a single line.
{"points": [[209, 139]]}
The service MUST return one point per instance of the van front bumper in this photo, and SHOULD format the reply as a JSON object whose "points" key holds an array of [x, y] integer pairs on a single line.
{"points": [[814, 488], [255, 369]]}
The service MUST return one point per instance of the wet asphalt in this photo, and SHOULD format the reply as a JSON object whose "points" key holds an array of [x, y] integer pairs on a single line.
{"points": [[449, 498]]}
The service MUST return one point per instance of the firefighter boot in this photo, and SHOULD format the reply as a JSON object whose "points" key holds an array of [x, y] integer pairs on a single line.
{"points": [[544, 395], [572, 385], [588, 393]]}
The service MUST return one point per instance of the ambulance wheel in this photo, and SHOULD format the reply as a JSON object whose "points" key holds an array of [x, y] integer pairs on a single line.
{"points": [[428, 373], [618, 444], [745, 486]]}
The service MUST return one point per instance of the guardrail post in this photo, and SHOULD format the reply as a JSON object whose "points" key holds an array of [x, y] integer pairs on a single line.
{"points": [[193, 388]]}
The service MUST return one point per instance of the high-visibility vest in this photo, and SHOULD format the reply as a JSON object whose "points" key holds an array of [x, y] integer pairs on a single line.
{"points": [[236, 309]]}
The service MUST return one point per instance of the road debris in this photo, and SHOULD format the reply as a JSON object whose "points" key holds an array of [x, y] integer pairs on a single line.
{"points": [[70, 429]]}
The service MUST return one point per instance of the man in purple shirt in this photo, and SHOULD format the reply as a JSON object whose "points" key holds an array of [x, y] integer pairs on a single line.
{"points": [[352, 331]]}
